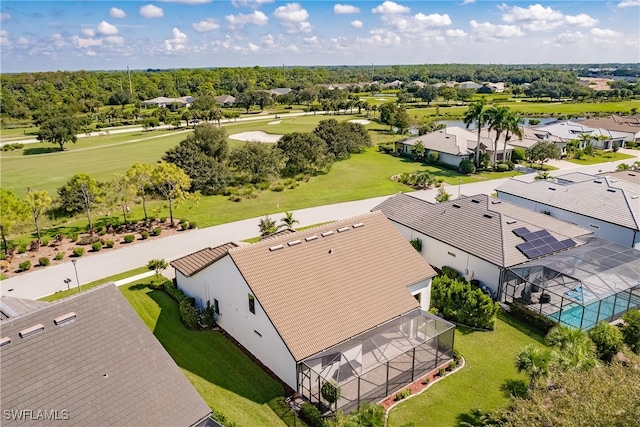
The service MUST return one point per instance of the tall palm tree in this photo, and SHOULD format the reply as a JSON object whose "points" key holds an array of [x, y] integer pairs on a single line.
{"points": [[535, 362], [288, 220], [497, 122], [512, 127], [478, 115]]}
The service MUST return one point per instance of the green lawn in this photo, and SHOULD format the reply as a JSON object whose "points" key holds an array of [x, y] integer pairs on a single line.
{"points": [[74, 289], [601, 157], [226, 378], [484, 383]]}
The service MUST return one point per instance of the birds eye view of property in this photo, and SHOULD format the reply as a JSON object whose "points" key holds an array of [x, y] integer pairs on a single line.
{"points": [[250, 213]]}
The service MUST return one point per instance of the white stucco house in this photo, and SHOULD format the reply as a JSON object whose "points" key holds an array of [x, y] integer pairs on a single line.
{"points": [[609, 207], [473, 235], [164, 102], [600, 138], [343, 302]]}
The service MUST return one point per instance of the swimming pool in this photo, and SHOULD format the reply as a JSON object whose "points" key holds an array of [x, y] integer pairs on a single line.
{"points": [[587, 317]]}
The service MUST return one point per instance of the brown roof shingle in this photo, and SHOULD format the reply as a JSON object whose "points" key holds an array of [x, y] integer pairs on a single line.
{"points": [[104, 368], [197, 261], [319, 290]]}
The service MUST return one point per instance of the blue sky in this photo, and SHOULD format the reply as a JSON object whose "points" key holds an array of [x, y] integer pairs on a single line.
{"points": [[90, 35]]}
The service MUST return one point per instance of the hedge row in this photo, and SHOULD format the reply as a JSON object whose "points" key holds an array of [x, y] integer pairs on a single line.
{"points": [[538, 321]]}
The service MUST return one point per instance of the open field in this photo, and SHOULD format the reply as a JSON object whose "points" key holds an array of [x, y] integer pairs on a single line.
{"points": [[601, 158], [226, 378], [485, 382]]}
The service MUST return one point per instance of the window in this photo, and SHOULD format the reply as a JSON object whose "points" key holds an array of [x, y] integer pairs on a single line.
{"points": [[216, 307], [252, 304]]}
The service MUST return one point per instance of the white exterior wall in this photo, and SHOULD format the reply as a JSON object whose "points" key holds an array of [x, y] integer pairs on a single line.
{"points": [[422, 288], [223, 281], [450, 159], [604, 230], [439, 254]]}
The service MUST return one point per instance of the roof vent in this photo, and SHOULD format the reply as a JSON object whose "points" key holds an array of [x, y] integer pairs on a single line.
{"points": [[511, 221], [358, 225], [25, 333], [597, 181], [65, 318], [4, 341], [496, 202], [310, 238], [294, 242], [275, 248], [487, 216], [327, 233], [552, 189], [342, 229], [613, 180], [611, 190], [475, 201], [632, 174], [456, 206], [634, 197]]}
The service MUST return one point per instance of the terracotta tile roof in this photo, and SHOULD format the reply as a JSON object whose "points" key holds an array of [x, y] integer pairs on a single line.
{"points": [[197, 261], [479, 225], [324, 285], [104, 367]]}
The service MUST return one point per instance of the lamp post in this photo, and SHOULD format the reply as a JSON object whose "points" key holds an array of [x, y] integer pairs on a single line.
{"points": [[459, 182], [67, 281], [76, 270]]}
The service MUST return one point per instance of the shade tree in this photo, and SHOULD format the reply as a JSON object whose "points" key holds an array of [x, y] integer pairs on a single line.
{"points": [[59, 130], [172, 183], [140, 177], [12, 212], [38, 201], [304, 153], [256, 161]]}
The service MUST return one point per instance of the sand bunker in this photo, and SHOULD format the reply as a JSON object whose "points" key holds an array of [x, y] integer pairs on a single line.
{"points": [[256, 135], [277, 122], [361, 121]]}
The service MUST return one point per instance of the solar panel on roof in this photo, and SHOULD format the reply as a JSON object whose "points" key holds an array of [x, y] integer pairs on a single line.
{"points": [[568, 243], [519, 231], [539, 243]]}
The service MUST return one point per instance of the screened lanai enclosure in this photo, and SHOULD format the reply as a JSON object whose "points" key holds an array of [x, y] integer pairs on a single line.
{"points": [[376, 363], [578, 287]]}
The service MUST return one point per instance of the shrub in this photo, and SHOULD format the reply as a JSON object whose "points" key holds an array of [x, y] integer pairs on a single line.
{"points": [[22, 248], [129, 238], [452, 365], [450, 272], [463, 303], [96, 246], [24, 265], [608, 340], [467, 167], [102, 231], [173, 291], [426, 381], [403, 394], [433, 156], [278, 188], [59, 256], [209, 315], [330, 392], [456, 355], [45, 242], [264, 185], [109, 243], [157, 231], [74, 237], [77, 252], [531, 318], [311, 415], [518, 154], [442, 372], [87, 240], [44, 261], [631, 330], [188, 313], [144, 235], [163, 220], [192, 225], [417, 244], [502, 167]]}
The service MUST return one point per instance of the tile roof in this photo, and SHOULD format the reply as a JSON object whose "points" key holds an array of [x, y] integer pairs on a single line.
{"points": [[197, 261], [572, 130], [479, 225], [324, 285], [574, 177], [601, 199], [632, 176], [628, 124], [104, 367], [11, 306], [442, 141]]}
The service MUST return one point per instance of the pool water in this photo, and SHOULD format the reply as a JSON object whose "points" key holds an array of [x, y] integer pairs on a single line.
{"points": [[587, 317]]}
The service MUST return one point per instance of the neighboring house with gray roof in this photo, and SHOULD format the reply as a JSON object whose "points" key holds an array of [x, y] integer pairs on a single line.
{"points": [[163, 102], [12, 306], [339, 302], [474, 235], [89, 360], [225, 100], [599, 138], [608, 207], [614, 122]]}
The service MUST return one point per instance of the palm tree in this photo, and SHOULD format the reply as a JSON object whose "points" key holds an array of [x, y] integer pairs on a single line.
{"points": [[267, 226], [535, 362], [512, 127], [478, 115], [575, 348], [497, 122], [288, 220]]}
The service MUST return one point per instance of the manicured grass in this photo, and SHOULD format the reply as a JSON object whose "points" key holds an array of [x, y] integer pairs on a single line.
{"points": [[601, 158], [226, 378], [484, 383], [74, 289]]}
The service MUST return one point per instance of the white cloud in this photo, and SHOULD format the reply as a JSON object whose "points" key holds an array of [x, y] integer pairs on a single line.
{"points": [[151, 11], [294, 18], [251, 3], [465, 2], [89, 32], [381, 38], [254, 47], [187, 1], [85, 43], [4, 38], [605, 34], [117, 13], [356, 24], [416, 24], [106, 29], [23, 41], [486, 30], [178, 42], [539, 18], [4, 17], [390, 8], [629, 3], [345, 9], [208, 24], [240, 20], [456, 34], [569, 37], [114, 40], [433, 20]]}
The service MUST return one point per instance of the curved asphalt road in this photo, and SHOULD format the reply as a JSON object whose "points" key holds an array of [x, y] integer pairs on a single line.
{"points": [[38, 283]]}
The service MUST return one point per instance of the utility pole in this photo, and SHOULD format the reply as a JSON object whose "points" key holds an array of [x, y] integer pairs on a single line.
{"points": [[130, 86]]}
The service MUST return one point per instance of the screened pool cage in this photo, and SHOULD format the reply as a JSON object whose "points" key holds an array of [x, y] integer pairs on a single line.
{"points": [[578, 287], [374, 364]]}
